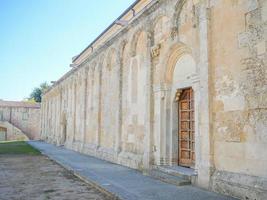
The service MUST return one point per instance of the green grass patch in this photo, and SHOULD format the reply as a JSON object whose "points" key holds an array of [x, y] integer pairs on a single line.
{"points": [[17, 147]]}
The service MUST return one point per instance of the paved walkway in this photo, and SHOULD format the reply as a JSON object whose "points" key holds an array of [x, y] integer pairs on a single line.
{"points": [[124, 182]]}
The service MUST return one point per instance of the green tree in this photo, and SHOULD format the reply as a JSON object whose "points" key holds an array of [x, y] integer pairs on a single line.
{"points": [[37, 92]]}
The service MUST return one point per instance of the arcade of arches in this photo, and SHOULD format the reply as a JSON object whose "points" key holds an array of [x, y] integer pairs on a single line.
{"points": [[182, 83]]}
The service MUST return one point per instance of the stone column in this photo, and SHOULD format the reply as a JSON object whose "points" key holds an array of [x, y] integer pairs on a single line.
{"points": [[148, 113], [85, 106], [172, 124], [60, 110], [162, 95], [118, 134], [73, 109], [98, 100], [206, 157], [197, 98]]}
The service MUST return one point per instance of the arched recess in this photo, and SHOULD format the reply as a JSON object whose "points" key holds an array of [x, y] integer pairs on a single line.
{"points": [[90, 135], [176, 52], [140, 39], [135, 95], [161, 29], [97, 100], [178, 9], [182, 76], [110, 100], [123, 59], [185, 22], [79, 107], [134, 42]]}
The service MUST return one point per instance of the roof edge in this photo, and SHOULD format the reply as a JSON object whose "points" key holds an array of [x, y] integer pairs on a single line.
{"points": [[101, 34]]}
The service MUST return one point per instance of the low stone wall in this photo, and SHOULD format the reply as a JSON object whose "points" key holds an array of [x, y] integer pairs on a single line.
{"points": [[240, 185]]}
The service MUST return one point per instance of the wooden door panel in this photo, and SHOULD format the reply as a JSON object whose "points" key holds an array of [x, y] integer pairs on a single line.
{"points": [[186, 135], [185, 115], [184, 105], [185, 144]]}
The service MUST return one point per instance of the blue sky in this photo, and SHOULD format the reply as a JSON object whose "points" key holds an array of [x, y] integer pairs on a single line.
{"points": [[38, 38]]}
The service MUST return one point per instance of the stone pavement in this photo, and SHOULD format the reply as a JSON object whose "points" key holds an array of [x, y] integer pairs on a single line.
{"points": [[123, 182]]}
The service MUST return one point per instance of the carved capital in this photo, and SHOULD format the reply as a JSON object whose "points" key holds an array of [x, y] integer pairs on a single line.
{"points": [[155, 51], [178, 94]]}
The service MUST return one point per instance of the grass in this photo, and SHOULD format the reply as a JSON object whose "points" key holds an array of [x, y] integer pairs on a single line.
{"points": [[17, 147]]}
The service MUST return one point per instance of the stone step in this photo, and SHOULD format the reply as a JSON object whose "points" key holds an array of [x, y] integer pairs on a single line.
{"points": [[185, 173], [168, 178]]}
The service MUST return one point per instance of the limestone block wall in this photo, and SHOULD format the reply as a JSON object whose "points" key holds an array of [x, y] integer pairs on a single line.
{"points": [[239, 60], [119, 102], [23, 115]]}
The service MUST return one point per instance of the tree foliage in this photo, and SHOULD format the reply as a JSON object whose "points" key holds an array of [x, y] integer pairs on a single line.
{"points": [[37, 92]]}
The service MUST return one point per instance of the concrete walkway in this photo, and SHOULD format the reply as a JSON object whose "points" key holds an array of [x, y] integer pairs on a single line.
{"points": [[124, 182]]}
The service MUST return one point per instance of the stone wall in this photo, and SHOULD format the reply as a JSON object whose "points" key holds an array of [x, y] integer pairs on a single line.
{"points": [[9, 132], [24, 116], [239, 62], [118, 102]]}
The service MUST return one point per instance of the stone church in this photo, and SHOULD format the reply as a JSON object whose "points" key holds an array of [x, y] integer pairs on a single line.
{"points": [[177, 84]]}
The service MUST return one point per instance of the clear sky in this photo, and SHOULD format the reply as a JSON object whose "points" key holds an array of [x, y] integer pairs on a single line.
{"points": [[38, 38]]}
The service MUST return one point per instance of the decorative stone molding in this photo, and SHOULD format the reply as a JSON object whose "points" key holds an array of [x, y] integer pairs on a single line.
{"points": [[155, 50], [178, 94], [177, 51], [195, 78], [161, 87]]}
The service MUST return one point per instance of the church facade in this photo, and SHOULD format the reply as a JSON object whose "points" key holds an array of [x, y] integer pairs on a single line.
{"points": [[172, 83]]}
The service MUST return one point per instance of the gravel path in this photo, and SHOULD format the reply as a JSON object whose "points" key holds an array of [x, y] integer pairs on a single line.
{"points": [[37, 177]]}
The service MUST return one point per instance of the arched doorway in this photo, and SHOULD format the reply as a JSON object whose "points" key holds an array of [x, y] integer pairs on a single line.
{"points": [[183, 115], [183, 97], [174, 145], [3, 134]]}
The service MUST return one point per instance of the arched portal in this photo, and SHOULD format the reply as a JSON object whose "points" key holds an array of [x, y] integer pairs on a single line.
{"points": [[183, 115], [176, 113]]}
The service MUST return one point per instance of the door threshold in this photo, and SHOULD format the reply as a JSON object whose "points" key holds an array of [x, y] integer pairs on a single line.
{"points": [[177, 169]]}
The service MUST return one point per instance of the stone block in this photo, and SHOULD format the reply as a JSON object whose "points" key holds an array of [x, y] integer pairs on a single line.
{"points": [[240, 185], [261, 47], [251, 5], [243, 39]]}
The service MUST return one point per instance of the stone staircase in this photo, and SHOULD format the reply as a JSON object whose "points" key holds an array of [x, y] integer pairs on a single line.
{"points": [[174, 175], [13, 132]]}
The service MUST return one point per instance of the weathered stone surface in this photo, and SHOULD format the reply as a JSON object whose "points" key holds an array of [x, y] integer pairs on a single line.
{"points": [[119, 103], [20, 119], [238, 185]]}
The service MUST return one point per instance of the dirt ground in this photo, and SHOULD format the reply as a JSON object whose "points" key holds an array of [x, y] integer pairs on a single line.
{"points": [[27, 177]]}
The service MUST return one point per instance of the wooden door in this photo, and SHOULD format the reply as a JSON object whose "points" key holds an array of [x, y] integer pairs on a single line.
{"points": [[186, 135]]}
